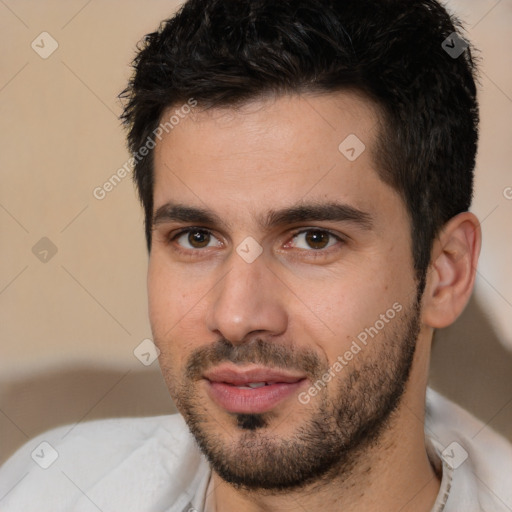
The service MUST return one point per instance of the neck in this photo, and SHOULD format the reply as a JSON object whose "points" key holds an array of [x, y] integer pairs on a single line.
{"points": [[392, 474]]}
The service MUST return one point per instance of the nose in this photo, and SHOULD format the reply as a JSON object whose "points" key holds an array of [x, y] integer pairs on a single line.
{"points": [[248, 301]]}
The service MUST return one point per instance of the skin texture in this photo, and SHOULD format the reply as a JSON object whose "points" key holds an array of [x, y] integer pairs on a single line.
{"points": [[300, 305]]}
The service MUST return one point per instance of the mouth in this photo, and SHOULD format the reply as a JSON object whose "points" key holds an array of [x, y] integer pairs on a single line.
{"points": [[251, 389]]}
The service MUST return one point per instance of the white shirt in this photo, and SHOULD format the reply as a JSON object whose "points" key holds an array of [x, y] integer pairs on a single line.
{"points": [[154, 465]]}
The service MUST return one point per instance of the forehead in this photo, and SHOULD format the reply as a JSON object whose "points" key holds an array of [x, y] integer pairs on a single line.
{"points": [[272, 153], [271, 123]]}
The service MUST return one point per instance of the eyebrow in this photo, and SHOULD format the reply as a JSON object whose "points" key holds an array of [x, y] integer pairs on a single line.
{"points": [[303, 212]]}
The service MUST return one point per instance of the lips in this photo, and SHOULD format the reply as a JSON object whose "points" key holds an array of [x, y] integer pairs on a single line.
{"points": [[246, 375], [252, 389]]}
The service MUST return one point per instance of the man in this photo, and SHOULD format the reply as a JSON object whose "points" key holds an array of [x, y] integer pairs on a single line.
{"points": [[306, 170]]}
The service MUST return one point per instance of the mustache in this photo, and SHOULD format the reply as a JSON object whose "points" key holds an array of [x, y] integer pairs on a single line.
{"points": [[255, 351]]}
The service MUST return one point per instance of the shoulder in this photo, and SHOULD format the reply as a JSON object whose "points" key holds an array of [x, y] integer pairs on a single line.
{"points": [[479, 459], [130, 462]]}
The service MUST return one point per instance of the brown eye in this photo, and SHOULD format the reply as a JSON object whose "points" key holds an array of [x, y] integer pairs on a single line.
{"points": [[317, 239], [198, 239]]}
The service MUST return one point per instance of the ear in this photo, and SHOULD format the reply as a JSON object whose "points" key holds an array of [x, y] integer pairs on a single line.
{"points": [[451, 274]]}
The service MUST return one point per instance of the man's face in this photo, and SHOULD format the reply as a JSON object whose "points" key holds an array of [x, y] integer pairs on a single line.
{"points": [[281, 285]]}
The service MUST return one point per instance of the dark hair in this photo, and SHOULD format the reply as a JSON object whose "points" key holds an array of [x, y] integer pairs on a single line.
{"points": [[226, 52]]}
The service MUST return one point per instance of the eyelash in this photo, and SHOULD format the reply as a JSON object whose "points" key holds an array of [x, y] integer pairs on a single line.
{"points": [[311, 252]]}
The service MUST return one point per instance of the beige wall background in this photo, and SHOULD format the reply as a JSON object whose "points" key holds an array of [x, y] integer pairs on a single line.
{"points": [[72, 278]]}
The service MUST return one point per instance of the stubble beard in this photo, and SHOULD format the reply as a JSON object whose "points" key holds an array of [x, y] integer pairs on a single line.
{"points": [[350, 414]]}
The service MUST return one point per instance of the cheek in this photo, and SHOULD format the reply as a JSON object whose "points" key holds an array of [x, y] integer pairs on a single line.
{"points": [[168, 301], [350, 303], [177, 305], [161, 300]]}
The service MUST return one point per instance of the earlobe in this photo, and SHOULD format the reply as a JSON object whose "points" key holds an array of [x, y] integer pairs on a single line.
{"points": [[452, 270]]}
